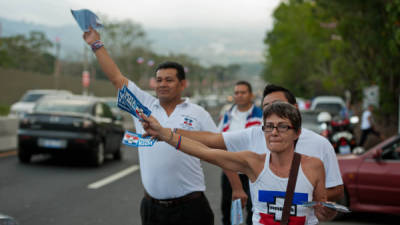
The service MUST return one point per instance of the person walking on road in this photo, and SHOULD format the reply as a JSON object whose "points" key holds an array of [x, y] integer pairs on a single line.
{"points": [[243, 114], [368, 125], [173, 181]]}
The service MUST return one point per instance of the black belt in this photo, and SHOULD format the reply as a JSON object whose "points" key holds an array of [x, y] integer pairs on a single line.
{"points": [[174, 201]]}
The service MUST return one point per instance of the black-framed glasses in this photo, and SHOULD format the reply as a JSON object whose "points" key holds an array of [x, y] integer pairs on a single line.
{"points": [[281, 127]]}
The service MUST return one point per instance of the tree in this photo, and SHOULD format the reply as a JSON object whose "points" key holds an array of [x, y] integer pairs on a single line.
{"points": [[27, 53]]}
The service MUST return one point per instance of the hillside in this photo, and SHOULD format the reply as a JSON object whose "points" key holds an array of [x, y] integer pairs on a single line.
{"points": [[210, 46]]}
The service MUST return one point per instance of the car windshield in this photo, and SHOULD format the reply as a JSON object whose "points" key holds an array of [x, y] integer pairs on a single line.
{"points": [[63, 106], [331, 108], [31, 97]]}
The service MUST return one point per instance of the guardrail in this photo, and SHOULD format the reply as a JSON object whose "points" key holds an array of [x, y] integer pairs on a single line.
{"points": [[8, 133]]}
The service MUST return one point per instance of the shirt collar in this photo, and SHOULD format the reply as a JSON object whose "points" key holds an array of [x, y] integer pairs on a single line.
{"points": [[185, 102]]}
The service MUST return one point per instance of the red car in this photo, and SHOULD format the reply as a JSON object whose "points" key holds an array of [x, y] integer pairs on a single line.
{"points": [[372, 179]]}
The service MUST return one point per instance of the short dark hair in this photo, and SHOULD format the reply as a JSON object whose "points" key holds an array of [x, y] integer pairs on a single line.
{"points": [[286, 111], [271, 88], [173, 65], [242, 82]]}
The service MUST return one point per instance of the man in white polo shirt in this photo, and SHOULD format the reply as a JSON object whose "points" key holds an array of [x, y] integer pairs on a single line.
{"points": [[173, 181], [253, 139]]}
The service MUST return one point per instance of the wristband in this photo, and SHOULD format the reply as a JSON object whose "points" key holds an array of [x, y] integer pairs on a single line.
{"points": [[179, 142], [174, 130], [96, 45]]}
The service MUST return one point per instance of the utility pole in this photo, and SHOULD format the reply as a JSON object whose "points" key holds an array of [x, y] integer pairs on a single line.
{"points": [[57, 64]]}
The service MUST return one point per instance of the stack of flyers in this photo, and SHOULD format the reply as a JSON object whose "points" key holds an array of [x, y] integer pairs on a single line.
{"points": [[332, 205], [85, 19], [136, 140], [236, 212], [127, 101]]}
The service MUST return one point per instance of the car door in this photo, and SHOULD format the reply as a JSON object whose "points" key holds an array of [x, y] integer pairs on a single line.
{"points": [[115, 131], [379, 180]]}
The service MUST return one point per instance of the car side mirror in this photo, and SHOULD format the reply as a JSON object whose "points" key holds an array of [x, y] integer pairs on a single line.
{"points": [[377, 155]]}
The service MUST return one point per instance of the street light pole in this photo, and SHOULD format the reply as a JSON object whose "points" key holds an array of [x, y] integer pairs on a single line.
{"points": [[57, 64]]}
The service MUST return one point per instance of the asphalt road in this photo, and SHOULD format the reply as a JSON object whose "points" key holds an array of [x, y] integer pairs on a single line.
{"points": [[65, 191]]}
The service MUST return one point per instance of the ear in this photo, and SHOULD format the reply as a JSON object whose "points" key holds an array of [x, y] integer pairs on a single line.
{"points": [[183, 83]]}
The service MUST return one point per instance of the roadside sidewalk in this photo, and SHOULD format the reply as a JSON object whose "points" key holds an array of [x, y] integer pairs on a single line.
{"points": [[8, 133]]}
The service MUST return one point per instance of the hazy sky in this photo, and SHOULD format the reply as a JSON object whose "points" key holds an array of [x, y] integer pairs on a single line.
{"points": [[149, 13]]}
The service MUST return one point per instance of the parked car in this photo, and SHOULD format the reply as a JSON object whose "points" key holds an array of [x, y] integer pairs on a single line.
{"points": [[7, 220], [372, 179], [70, 124], [29, 99], [309, 120], [112, 103], [330, 104]]}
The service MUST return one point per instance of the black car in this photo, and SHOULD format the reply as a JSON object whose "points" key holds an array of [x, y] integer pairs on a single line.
{"points": [[70, 124]]}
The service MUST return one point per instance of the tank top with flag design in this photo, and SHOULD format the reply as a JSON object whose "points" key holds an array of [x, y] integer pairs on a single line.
{"points": [[268, 196]]}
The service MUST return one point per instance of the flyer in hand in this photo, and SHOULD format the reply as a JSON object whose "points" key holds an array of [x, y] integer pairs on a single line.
{"points": [[332, 205], [86, 18], [236, 212], [136, 140], [127, 101]]}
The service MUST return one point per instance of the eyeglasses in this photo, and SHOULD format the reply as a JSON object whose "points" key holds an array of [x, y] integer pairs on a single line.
{"points": [[269, 127]]}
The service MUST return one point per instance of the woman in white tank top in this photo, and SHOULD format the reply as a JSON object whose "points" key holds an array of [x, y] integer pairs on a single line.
{"points": [[268, 174]]}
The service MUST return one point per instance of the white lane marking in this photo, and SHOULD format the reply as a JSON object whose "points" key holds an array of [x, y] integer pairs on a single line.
{"points": [[114, 177]]}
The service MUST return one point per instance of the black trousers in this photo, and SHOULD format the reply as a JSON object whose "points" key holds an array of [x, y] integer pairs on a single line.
{"points": [[195, 211], [365, 133], [226, 200]]}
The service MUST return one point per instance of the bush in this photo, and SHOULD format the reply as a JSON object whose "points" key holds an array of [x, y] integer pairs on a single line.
{"points": [[4, 110]]}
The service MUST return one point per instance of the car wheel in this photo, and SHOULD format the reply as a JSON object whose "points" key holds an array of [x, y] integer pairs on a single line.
{"points": [[346, 202], [117, 155], [98, 155], [24, 156]]}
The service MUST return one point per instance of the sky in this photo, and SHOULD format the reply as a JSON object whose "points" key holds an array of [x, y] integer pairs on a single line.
{"points": [[148, 13]]}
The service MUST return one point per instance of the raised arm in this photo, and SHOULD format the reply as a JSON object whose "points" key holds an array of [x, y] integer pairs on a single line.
{"points": [[106, 63], [246, 162]]}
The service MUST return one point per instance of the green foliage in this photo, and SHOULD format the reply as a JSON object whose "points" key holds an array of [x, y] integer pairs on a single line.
{"points": [[326, 47], [27, 53], [4, 110]]}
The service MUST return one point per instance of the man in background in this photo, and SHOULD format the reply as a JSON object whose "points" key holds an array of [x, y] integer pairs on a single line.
{"points": [[243, 114]]}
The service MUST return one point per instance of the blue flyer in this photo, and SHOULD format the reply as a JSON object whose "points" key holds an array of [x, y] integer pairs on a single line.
{"points": [[236, 212], [85, 19], [136, 140], [127, 101]]}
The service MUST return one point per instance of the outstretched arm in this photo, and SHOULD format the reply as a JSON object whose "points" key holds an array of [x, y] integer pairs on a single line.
{"points": [[106, 63], [244, 162]]}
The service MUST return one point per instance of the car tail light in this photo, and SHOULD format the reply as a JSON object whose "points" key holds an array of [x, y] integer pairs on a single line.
{"points": [[81, 141], [24, 137]]}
